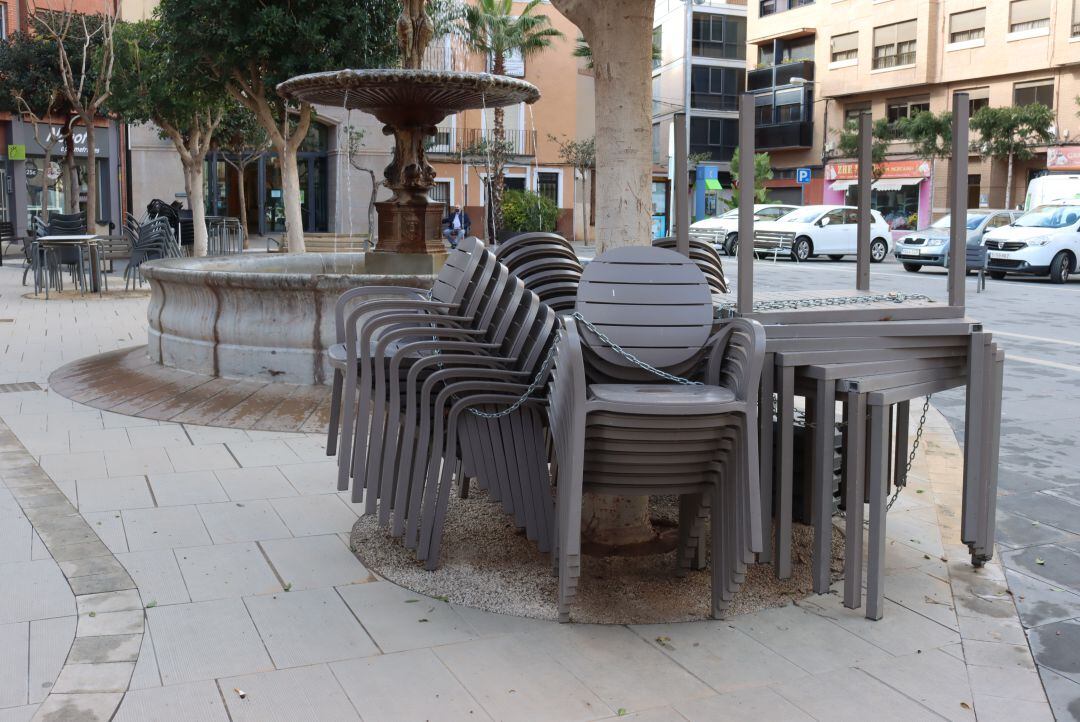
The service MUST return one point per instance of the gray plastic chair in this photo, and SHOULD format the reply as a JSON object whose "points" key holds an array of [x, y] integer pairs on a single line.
{"points": [[547, 264], [621, 424], [707, 259]]}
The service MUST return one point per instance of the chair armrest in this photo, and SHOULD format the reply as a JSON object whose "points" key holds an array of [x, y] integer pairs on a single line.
{"points": [[361, 291]]}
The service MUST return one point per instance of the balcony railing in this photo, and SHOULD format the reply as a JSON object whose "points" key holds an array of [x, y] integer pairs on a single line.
{"points": [[455, 141], [775, 76], [768, 7], [798, 134]]}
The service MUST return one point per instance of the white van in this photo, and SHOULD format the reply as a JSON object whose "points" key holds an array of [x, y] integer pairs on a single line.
{"points": [[1052, 188]]}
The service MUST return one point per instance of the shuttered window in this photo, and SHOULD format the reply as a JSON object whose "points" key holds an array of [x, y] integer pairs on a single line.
{"points": [[894, 45], [844, 47], [1028, 15], [970, 25]]}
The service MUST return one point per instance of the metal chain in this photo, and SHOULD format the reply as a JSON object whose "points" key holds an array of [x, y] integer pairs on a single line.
{"points": [[537, 381], [795, 304], [631, 357]]}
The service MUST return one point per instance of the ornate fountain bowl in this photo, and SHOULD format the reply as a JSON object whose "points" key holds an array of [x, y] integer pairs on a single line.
{"points": [[423, 96]]}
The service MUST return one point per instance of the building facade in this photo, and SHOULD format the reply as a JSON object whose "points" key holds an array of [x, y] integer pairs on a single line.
{"points": [[818, 64], [700, 71]]}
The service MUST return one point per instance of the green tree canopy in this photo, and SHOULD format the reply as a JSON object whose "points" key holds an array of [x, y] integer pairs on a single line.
{"points": [[30, 76], [1010, 133], [847, 140], [762, 172], [930, 134]]}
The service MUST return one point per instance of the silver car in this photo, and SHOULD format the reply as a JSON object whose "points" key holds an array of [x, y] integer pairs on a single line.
{"points": [[930, 246]]}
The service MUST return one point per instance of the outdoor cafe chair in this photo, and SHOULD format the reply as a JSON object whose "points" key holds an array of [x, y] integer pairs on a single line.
{"points": [[547, 264], [624, 420], [707, 258]]}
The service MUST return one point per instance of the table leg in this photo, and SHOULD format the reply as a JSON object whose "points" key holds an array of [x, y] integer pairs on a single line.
{"points": [[903, 417], [974, 418], [95, 274], [785, 452], [879, 461], [824, 451], [854, 468], [765, 452]]}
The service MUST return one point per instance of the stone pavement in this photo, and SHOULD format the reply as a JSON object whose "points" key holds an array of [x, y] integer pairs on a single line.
{"points": [[236, 581]]}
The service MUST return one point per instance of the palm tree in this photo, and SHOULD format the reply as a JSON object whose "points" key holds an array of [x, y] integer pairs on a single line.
{"points": [[492, 29]]}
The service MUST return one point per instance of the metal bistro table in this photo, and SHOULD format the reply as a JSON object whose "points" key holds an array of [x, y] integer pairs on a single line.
{"points": [[90, 242]]}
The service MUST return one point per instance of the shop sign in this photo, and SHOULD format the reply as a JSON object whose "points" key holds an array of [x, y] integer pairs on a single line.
{"points": [[23, 134], [914, 168], [16, 152], [1063, 157]]}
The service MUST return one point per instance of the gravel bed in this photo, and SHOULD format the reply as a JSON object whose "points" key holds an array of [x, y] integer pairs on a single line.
{"points": [[489, 565]]}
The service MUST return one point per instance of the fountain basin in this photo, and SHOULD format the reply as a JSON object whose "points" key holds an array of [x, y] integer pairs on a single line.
{"points": [[263, 317]]}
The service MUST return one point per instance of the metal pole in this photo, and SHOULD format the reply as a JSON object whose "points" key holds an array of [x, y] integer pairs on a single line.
{"points": [[680, 185], [746, 205], [958, 200], [866, 176]]}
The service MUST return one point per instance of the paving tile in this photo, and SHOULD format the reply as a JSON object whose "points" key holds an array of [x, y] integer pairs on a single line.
{"points": [[120, 492], [137, 461], [308, 448], [93, 624], [1040, 602], [1056, 646], [39, 443], [291, 694], [122, 421], [106, 648], [722, 656], [924, 593], [314, 477], [263, 453], [623, 669], [1057, 511], [657, 714], [1014, 531], [94, 678], [16, 540], [50, 640], [206, 640], [146, 673], [308, 627], [61, 421], [200, 458], [263, 482], [99, 440], [997, 654], [193, 702], [164, 528], [9, 508], [411, 685], [314, 562], [157, 575], [900, 631], [225, 571], [1063, 695], [805, 639], [489, 624], [396, 623], [236, 521], [315, 514], [1014, 682], [18, 714], [757, 703], [933, 678], [195, 487], [1001, 709], [41, 592], [15, 641], [1050, 562], [89, 707], [157, 436], [201, 435], [70, 467], [850, 694], [992, 629], [491, 671]]}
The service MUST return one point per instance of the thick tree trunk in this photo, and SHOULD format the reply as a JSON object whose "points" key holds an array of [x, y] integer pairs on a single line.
{"points": [[68, 173], [290, 183], [197, 203], [91, 179], [620, 35], [241, 196], [1008, 183], [44, 179]]}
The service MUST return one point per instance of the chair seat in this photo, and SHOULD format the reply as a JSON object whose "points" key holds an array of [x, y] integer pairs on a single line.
{"points": [[646, 398]]}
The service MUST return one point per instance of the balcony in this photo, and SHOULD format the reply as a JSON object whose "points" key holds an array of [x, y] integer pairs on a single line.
{"points": [[470, 141], [779, 75], [780, 136], [770, 7]]}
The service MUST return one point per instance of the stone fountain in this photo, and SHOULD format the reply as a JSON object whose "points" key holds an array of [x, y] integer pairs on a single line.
{"points": [[410, 102], [271, 318]]}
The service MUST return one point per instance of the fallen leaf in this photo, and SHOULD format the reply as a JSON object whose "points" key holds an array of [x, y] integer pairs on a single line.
{"points": [[621, 712], [411, 601], [1040, 561], [421, 620], [441, 598], [965, 705], [93, 614], [151, 604], [288, 586]]}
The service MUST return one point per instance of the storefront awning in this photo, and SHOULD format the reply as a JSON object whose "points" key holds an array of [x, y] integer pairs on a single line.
{"points": [[842, 185], [712, 184], [895, 184]]}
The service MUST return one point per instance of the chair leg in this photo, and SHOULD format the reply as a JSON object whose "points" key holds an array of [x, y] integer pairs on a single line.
{"points": [[783, 501], [824, 442], [720, 567], [854, 486], [335, 414], [690, 531], [879, 444]]}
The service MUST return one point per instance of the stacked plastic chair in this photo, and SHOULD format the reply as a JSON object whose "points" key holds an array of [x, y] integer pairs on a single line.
{"points": [[704, 254], [547, 264], [432, 389], [646, 399]]}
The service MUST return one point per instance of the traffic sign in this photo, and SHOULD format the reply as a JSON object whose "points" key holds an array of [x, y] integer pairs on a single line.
{"points": [[802, 175]]}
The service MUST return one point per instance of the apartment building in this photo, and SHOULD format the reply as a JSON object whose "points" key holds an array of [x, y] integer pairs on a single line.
{"points": [[701, 71], [821, 62]]}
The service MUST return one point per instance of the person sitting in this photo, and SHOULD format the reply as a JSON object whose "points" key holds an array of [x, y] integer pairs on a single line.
{"points": [[457, 226]]}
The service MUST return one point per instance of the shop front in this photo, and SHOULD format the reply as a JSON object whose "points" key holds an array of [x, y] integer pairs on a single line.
{"points": [[901, 191]]}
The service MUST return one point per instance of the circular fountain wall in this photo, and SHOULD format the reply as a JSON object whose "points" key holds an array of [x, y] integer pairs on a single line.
{"points": [[267, 317]]}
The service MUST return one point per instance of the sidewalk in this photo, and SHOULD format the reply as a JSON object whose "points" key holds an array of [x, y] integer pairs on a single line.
{"points": [[222, 588]]}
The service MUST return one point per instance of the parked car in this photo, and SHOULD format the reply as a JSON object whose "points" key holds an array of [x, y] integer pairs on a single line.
{"points": [[930, 246], [1041, 242], [821, 230], [1052, 188], [723, 230]]}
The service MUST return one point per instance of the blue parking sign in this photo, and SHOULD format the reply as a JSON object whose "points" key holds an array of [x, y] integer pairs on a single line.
{"points": [[802, 175]]}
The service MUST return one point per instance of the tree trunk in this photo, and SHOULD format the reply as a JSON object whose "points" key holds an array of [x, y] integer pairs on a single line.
{"points": [[620, 35], [498, 134], [193, 174], [68, 173], [1008, 183], [242, 198], [91, 179], [45, 186], [290, 183], [585, 203]]}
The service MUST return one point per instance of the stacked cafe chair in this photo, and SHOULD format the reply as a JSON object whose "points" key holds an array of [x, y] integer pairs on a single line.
{"points": [[547, 265]]}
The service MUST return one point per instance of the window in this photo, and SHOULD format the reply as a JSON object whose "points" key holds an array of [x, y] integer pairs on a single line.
{"points": [[1000, 220], [715, 88], [1075, 19], [967, 26], [714, 136], [768, 7], [897, 109], [851, 216], [845, 47], [547, 185], [1028, 15], [719, 36], [974, 189], [788, 107], [3, 20], [894, 45], [797, 49], [763, 109], [835, 217], [1037, 91], [978, 98], [658, 47], [851, 114]]}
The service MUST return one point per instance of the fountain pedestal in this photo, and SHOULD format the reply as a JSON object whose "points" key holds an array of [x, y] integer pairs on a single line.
{"points": [[410, 238]]}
